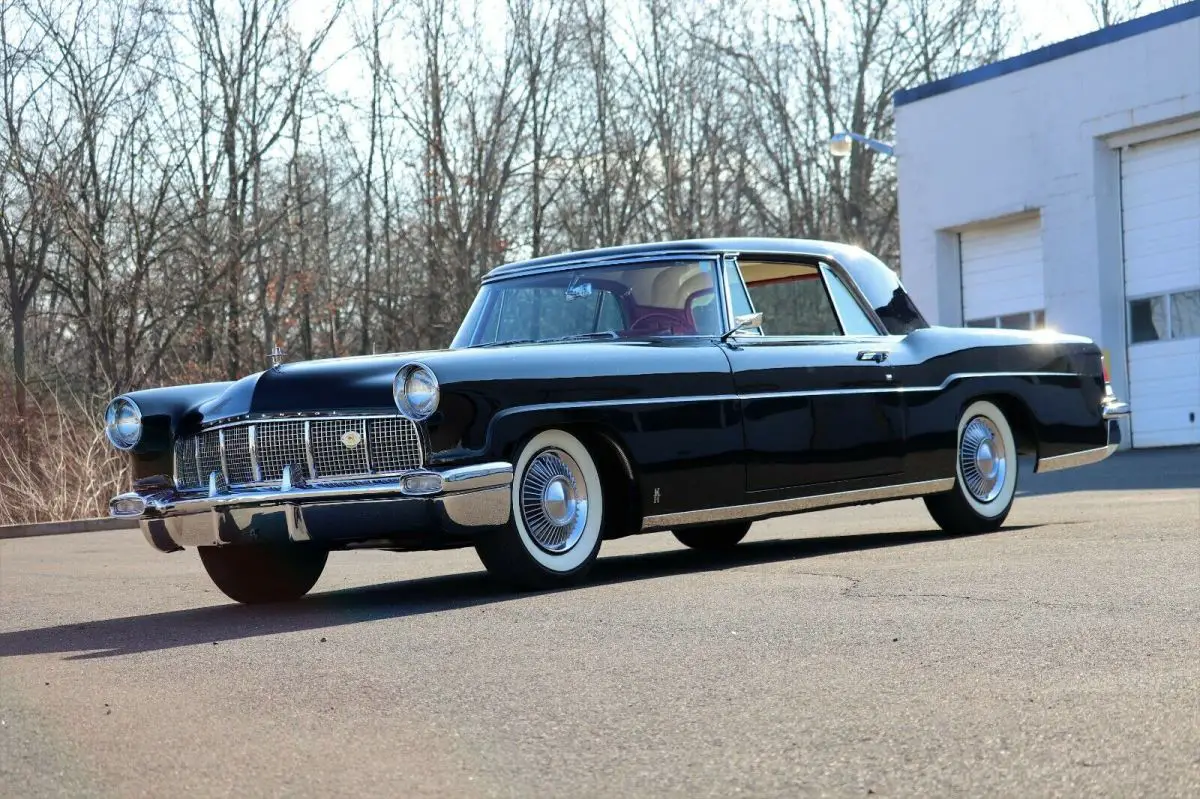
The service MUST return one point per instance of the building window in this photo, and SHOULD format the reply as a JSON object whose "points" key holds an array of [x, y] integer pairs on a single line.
{"points": [[1165, 316], [1185, 314], [1026, 320]]}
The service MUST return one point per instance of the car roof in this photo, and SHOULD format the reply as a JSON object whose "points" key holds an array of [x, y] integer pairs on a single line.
{"points": [[744, 246]]}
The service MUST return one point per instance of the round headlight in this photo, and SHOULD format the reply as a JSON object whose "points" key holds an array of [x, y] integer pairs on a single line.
{"points": [[415, 389], [123, 423]]}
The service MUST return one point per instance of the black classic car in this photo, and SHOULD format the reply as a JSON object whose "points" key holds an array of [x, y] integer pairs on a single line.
{"points": [[691, 386]]}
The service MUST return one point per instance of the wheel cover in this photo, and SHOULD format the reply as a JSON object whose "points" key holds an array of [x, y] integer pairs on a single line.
{"points": [[982, 459], [554, 501]]}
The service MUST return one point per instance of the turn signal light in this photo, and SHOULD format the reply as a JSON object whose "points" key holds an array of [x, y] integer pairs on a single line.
{"points": [[421, 484]]}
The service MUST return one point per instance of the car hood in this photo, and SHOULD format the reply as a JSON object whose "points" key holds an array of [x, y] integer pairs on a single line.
{"points": [[363, 384]]}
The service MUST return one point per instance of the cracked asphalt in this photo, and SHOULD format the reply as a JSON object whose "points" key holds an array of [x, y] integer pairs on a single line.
{"points": [[842, 653]]}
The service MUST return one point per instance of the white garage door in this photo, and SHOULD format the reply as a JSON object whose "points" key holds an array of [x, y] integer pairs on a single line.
{"points": [[1160, 201], [1002, 281]]}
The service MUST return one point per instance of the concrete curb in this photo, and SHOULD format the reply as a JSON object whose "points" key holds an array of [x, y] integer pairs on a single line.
{"points": [[65, 528]]}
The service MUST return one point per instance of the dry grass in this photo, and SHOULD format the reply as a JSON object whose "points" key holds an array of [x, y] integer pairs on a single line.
{"points": [[55, 463]]}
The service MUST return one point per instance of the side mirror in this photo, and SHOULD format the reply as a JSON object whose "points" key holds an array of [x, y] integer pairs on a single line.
{"points": [[742, 322]]}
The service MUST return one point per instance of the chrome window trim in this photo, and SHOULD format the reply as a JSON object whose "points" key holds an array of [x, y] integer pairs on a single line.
{"points": [[615, 260], [837, 312], [779, 507], [820, 262]]}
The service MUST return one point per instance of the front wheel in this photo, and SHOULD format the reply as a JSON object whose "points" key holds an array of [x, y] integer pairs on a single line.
{"points": [[256, 573], [553, 536], [714, 537], [985, 474]]}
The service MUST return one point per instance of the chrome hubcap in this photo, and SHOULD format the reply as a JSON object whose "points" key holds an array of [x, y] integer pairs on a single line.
{"points": [[982, 459], [553, 498]]}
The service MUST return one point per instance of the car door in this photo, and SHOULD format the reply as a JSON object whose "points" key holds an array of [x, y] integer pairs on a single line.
{"points": [[820, 403]]}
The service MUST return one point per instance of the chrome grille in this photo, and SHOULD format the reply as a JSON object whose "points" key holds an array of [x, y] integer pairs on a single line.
{"points": [[317, 449], [394, 444], [330, 455], [238, 468], [281, 444], [208, 457], [185, 462]]}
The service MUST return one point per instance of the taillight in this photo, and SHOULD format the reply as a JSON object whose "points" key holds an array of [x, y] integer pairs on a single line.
{"points": [[1104, 367]]}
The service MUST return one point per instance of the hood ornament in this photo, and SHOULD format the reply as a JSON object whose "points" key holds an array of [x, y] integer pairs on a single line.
{"points": [[276, 356]]}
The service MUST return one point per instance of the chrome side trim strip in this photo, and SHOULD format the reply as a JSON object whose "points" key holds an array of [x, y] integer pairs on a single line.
{"points": [[771, 394], [762, 510], [1073, 459]]}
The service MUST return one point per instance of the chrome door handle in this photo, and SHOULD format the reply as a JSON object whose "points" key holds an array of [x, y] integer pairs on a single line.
{"points": [[878, 356]]}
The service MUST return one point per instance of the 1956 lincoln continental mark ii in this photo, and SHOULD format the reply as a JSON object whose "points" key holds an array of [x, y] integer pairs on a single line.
{"points": [[691, 386]]}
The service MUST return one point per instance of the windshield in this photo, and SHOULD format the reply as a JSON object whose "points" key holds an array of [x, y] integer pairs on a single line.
{"points": [[659, 298]]}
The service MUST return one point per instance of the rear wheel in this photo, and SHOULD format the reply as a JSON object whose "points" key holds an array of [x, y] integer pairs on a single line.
{"points": [[258, 573], [714, 537], [553, 536], [985, 474]]}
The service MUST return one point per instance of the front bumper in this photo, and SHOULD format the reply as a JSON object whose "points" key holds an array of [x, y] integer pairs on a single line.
{"points": [[1112, 411], [470, 499]]}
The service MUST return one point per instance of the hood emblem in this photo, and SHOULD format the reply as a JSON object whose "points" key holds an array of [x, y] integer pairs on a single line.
{"points": [[276, 356], [351, 439]]}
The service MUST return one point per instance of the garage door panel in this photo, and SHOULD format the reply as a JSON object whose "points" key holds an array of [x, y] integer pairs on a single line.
{"points": [[1175, 244], [1160, 201], [1002, 270], [1163, 216], [1164, 282], [1152, 160]]}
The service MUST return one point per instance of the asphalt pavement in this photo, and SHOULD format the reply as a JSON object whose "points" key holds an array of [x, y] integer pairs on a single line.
{"points": [[843, 653]]}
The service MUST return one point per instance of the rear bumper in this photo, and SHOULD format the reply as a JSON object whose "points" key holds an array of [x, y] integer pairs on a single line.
{"points": [[471, 499], [1112, 411]]}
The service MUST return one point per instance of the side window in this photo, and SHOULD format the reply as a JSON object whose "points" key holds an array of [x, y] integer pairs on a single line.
{"points": [[794, 304], [702, 308], [739, 300], [609, 315], [854, 318]]}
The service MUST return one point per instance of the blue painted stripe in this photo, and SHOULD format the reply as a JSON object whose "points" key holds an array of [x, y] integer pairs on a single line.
{"points": [[1115, 33]]}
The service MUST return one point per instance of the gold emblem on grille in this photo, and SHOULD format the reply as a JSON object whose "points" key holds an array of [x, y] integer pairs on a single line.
{"points": [[351, 439]]}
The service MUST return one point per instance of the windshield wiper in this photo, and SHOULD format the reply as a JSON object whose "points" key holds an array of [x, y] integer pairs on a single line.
{"points": [[599, 334], [608, 334]]}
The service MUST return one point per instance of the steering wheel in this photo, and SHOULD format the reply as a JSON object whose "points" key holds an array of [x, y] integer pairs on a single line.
{"points": [[643, 323]]}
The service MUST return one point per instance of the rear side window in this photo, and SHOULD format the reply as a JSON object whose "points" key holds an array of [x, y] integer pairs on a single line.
{"points": [[854, 319], [792, 299]]}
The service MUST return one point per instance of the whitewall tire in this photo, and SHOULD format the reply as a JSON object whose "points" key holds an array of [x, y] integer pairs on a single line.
{"points": [[554, 533], [985, 469]]}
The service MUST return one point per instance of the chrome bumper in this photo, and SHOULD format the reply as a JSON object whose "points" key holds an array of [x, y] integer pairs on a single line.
{"points": [[442, 506], [1112, 411]]}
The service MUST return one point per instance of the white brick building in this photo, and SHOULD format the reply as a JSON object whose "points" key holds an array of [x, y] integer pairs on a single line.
{"points": [[1064, 184]]}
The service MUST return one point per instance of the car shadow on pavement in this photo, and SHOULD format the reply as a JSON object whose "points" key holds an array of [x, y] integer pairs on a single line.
{"points": [[161, 631]]}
